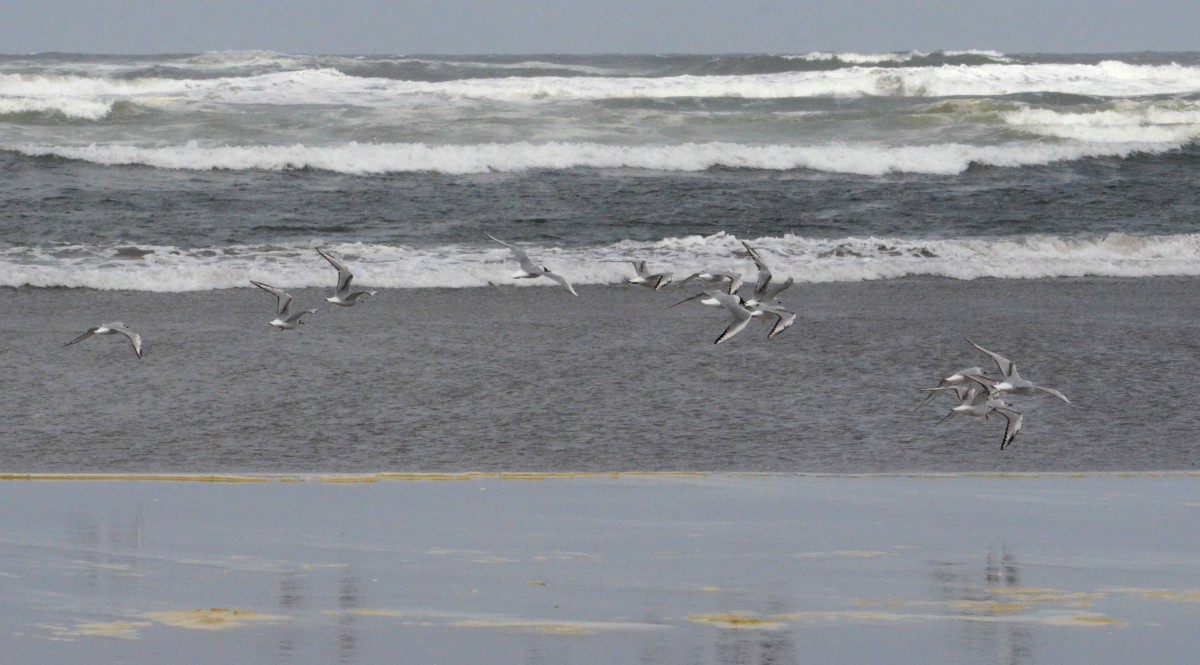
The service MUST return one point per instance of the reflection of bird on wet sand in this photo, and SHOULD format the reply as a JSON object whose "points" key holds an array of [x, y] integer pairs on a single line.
{"points": [[961, 587]]}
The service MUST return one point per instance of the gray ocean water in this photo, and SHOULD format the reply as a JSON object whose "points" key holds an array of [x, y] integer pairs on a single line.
{"points": [[1043, 206]]}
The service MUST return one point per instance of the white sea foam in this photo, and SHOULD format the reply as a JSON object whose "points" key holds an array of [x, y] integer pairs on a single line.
{"points": [[1103, 79], [857, 58], [325, 85], [895, 57], [373, 158], [1168, 122], [75, 108], [170, 269]]}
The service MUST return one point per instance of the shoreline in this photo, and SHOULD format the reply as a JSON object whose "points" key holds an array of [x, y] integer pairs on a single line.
{"points": [[535, 476]]}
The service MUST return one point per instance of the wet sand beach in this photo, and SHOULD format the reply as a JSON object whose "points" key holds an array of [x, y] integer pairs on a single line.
{"points": [[580, 568], [531, 379]]}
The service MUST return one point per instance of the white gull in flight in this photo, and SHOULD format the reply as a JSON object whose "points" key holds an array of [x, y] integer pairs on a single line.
{"points": [[1012, 382], [734, 279], [116, 327], [529, 269], [284, 319], [765, 290], [742, 315], [959, 377], [654, 281], [980, 404], [343, 297]]}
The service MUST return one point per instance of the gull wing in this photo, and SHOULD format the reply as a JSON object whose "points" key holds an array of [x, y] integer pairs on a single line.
{"points": [[772, 291], [734, 328], [687, 279], [1051, 391], [344, 274], [561, 280], [702, 294], [134, 338], [283, 303], [732, 303], [1007, 367], [988, 383], [1014, 425], [659, 280], [783, 319], [296, 317], [946, 417], [655, 281], [963, 394], [741, 315], [933, 393], [89, 333], [735, 281], [522, 257], [764, 273]]}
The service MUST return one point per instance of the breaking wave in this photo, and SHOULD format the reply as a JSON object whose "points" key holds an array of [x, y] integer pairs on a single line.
{"points": [[807, 260], [330, 85], [382, 158]]}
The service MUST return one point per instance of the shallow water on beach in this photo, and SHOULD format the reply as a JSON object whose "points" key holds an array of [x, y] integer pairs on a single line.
{"points": [[660, 570]]}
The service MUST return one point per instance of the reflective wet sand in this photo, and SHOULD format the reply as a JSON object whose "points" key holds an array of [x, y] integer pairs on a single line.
{"points": [[600, 568]]}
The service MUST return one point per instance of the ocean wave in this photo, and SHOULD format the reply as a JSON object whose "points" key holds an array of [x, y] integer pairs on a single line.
{"points": [[896, 57], [327, 84], [806, 260], [65, 107], [381, 158], [1166, 122]]}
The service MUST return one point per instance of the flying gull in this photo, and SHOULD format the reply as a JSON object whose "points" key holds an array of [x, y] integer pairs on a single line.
{"points": [[529, 270], [981, 404], [112, 329], [735, 305], [1012, 382], [961, 377], [765, 290], [734, 279], [284, 319], [655, 281], [343, 297]]}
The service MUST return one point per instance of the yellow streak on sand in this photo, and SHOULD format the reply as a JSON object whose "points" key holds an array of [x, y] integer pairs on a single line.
{"points": [[210, 619], [124, 630], [1000, 613], [1046, 596], [736, 620], [552, 628], [1095, 620], [1165, 594]]}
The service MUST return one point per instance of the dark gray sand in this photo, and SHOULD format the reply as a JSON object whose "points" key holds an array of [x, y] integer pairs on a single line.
{"points": [[508, 378]]}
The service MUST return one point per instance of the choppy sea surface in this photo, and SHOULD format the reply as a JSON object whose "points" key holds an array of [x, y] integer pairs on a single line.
{"points": [[1045, 206]]}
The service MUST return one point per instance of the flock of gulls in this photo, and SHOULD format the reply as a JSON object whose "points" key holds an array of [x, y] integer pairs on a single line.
{"points": [[979, 393]]}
